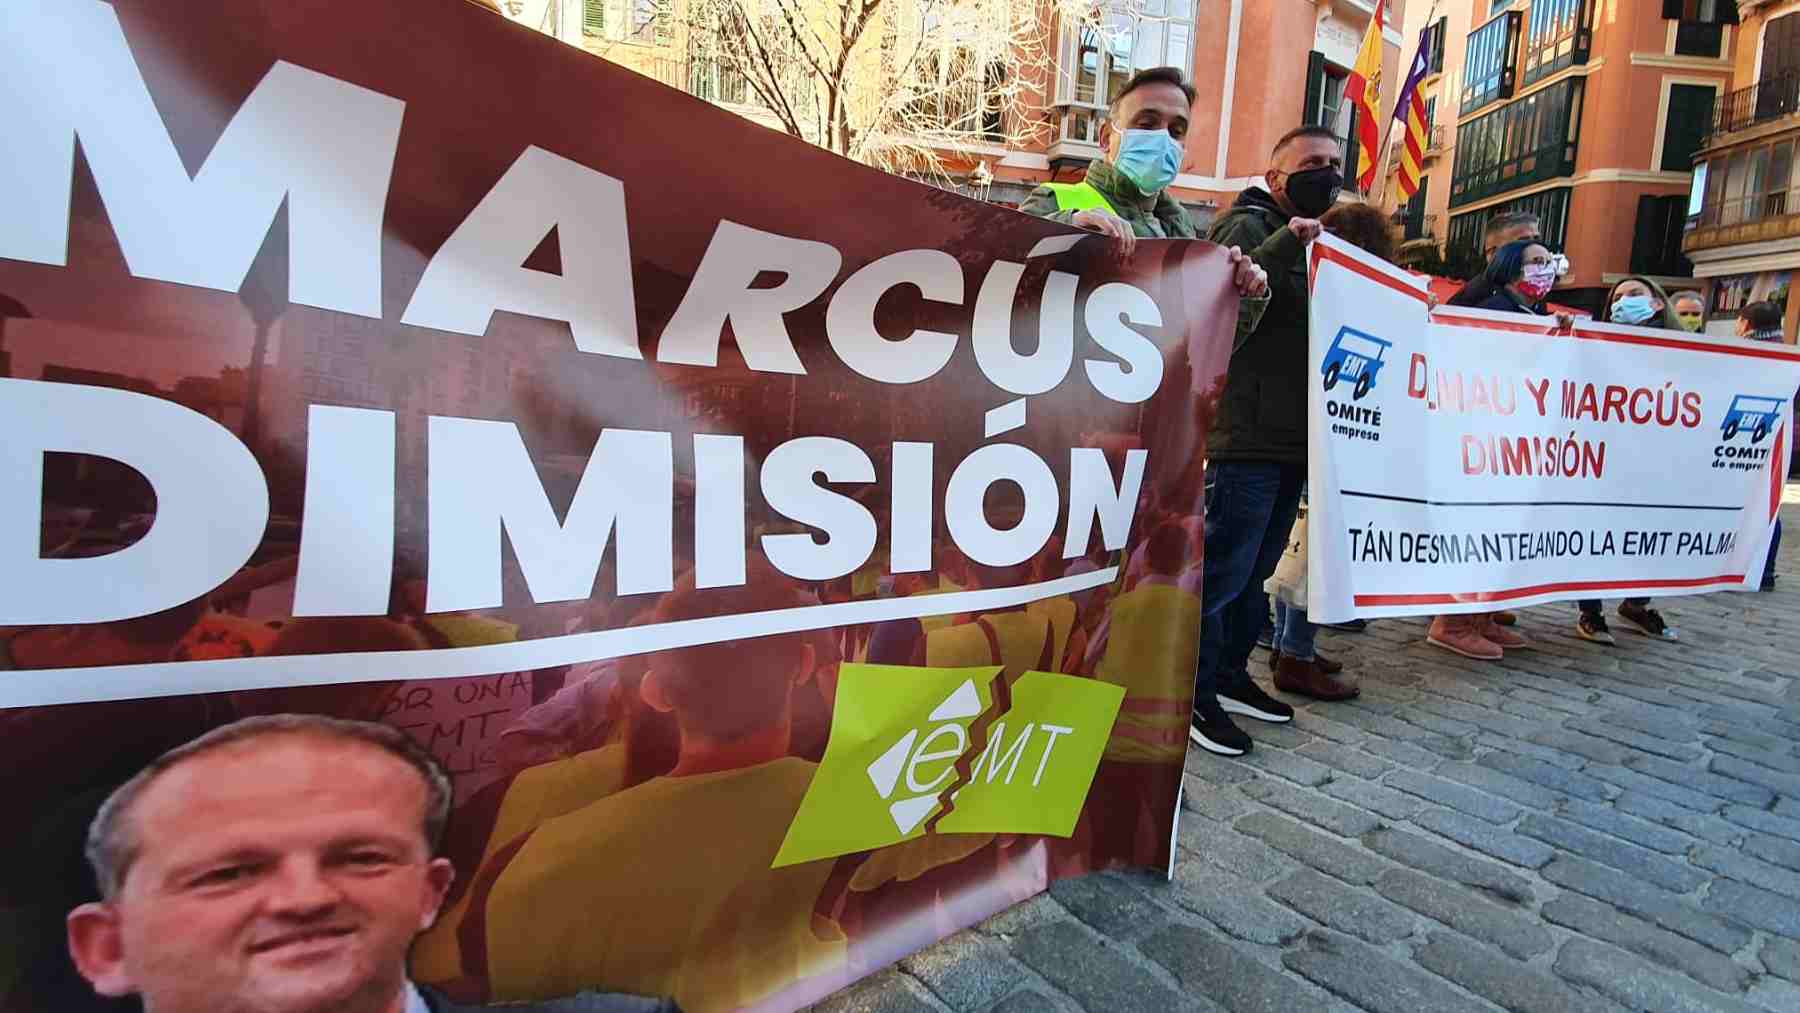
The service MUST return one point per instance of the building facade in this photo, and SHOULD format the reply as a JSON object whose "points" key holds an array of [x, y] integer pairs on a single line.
{"points": [[1586, 112], [1261, 68], [1744, 237]]}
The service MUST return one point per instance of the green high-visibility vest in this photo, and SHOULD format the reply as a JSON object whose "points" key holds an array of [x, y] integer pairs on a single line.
{"points": [[1080, 196]]}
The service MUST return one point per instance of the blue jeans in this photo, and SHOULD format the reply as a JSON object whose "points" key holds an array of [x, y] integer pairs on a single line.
{"points": [[1250, 510], [1294, 635]]}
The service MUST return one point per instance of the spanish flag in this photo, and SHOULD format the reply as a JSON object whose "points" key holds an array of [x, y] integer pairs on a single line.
{"points": [[1364, 92], [1410, 111]]}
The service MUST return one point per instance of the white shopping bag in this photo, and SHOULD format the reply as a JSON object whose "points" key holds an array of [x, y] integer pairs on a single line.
{"points": [[1289, 580]]}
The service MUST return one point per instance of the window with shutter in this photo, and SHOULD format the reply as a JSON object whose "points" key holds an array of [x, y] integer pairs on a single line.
{"points": [[1690, 114], [1781, 47], [1656, 240], [1695, 38], [1315, 87], [593, 18]]}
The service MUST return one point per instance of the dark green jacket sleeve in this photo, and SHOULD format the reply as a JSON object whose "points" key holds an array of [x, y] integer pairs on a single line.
{"points": [[1042, 204], [1277, 251]]}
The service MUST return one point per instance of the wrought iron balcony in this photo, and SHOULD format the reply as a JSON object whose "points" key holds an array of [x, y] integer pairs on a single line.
{"points": [[1766, 101]]}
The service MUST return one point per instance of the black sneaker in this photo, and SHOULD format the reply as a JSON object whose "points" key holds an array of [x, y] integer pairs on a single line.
{"points": [[1648, 620], [1213, 731], [1244, 696], [1351, 625]]}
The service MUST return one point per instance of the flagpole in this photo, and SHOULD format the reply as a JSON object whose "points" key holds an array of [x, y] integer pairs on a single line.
{"points": [[1381, 170]]}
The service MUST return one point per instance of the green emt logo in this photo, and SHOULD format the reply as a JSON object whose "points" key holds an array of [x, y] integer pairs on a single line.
{"points": [[953, 751]]}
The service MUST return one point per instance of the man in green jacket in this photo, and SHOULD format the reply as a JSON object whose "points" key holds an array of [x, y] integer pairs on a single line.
{"points": [[1125, 195], [1256, 451]]}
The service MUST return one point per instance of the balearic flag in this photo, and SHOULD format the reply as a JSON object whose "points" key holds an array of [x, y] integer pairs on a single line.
{"points": [[1410, 111], [1364, 92]]}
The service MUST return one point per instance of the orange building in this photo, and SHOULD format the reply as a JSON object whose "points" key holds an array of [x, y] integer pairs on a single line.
{"points": [[1586, 112], [1745, 209], [1261, 68]]}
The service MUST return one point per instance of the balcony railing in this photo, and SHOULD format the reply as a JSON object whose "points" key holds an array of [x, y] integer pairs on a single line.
{"points": [[1765, 217], [1769, 99], [1755, 208], [1434, 142]]}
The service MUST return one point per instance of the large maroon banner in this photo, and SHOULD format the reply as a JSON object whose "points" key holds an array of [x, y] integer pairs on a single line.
{"points": [[685, 490]]}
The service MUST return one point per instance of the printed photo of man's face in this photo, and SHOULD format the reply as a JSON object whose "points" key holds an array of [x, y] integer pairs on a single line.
{"points": [[285, 872]]}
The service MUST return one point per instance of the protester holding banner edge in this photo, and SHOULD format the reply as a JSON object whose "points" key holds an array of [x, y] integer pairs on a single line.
{"points": [[1257, 446], [1125, 194], [1761, 321], [1291, 646]]}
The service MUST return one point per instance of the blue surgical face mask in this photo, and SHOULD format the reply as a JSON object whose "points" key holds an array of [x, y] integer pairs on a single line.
{"points": [[1632, 309], [1150, 159]]}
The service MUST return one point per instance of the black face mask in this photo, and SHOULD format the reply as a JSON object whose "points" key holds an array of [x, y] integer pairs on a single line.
{"points": [[1314, 191]]}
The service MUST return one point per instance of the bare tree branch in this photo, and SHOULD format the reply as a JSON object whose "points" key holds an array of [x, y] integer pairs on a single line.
{"points": [[913, 86]]}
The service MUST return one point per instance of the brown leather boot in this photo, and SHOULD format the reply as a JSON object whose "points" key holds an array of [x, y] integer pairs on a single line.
{"points": [[1329, 665], [1491, 630], [1462, 635], [1306, 678]]}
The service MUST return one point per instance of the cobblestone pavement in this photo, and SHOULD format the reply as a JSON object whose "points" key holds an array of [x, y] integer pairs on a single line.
{"points": [[1575, 828]]}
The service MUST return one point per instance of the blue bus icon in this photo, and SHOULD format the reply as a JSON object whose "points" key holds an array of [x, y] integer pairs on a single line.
{"points": [[1355, 355], [1757, 414]]}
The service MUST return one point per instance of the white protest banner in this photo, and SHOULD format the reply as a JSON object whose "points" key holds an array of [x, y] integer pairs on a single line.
{"points": [[1463, 460]]}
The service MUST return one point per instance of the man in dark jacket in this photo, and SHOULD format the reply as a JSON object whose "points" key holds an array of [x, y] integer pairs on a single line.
{"points": [[1257, 448]]}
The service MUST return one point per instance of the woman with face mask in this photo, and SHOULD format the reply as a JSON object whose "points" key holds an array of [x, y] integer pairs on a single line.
{"points": [[1519, 278], [1640, 302]]}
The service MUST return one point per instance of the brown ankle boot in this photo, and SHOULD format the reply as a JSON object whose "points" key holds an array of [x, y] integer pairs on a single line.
{"points": [[1328, 665], [1490, 629], [1462, 635], [1306, 678]]}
